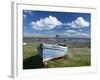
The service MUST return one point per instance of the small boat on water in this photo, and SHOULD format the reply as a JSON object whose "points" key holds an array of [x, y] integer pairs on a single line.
{"points": [[52, 51]]}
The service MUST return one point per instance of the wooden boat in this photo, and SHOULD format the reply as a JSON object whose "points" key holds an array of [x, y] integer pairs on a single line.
{"points": [[52, 51]]}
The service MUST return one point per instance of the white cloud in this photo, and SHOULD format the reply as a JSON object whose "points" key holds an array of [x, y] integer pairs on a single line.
{"points": [[24, 16], [80, 34], [80, 30], [46, 23], [27, 34], [71, 31], [74, 33], [80, 22]]}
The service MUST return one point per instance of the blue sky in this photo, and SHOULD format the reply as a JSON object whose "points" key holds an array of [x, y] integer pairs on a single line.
{"points": [[48, 23]]}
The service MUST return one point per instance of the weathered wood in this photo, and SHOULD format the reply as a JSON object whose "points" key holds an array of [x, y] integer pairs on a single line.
{"points": [[48, 52]]}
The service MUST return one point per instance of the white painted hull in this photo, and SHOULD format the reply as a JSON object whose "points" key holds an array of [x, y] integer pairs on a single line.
{"points": [[53, 51]]}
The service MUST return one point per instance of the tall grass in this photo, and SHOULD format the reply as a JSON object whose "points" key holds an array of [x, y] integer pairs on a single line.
{"points": [[76, 57]]}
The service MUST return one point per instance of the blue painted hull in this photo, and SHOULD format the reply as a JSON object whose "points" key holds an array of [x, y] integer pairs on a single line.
{"points": [[53, 51]]}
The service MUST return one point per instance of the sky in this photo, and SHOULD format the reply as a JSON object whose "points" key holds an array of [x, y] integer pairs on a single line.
{"points": [[48, 23]]}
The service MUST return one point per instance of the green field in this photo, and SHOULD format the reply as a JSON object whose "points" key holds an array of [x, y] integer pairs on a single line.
{"points": [[76, 57]]}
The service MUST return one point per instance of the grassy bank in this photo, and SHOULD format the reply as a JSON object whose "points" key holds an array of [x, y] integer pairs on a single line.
{"points": [[76, 57]]}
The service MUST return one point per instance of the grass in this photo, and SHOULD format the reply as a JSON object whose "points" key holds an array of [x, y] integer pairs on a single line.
{"points": [[30, 50], [76, 57], [31, 59]]}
